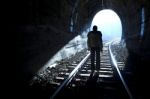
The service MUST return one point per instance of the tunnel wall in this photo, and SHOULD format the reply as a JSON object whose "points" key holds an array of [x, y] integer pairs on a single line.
{"points": [[37, 30]]}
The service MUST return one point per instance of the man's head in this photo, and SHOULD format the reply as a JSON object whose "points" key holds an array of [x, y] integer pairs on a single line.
{"points": [[94, 28]]}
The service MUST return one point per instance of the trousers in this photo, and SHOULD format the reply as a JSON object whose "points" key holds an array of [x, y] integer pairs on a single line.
{"points": [[95, 58]]}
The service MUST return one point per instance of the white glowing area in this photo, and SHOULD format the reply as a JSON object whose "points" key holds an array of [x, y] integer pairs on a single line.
{"points": [[108, 23]]}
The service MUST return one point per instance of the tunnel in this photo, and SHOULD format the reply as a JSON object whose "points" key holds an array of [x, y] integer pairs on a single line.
{"points": [[39, 29]]}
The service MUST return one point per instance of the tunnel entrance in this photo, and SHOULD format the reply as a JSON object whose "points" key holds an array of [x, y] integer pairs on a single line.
{"points": [[108, 23]]}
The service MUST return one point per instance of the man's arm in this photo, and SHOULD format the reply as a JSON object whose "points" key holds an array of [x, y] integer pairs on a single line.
{"points": [[88, 42], [101, 41]]}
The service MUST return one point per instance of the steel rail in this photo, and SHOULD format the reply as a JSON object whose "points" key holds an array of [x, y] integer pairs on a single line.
{"points": [[114, 63], [69, 78]]}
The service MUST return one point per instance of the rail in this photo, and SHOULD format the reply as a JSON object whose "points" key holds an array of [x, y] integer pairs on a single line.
{"points": [[114, 63], [69, 78]]}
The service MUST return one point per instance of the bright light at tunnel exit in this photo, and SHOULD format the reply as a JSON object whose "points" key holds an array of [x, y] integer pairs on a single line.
{"points": [[108, 23]]}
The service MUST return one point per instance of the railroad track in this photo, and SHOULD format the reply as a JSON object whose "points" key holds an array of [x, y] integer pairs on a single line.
{"points": [[78, 81]]}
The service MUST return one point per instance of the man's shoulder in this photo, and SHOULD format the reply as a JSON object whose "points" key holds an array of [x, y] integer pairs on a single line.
{"points": [[99, 31], [90, 32]]}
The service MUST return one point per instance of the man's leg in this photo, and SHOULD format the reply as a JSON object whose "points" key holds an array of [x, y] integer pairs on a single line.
{"points": [[92, 59], [97, 59]]}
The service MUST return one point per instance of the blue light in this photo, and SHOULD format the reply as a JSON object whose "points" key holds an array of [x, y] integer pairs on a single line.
{"points": [[142, 22], [108, 23]]}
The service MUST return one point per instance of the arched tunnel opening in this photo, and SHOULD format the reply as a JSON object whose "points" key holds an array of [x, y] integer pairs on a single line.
{"points": [[109, 24]]}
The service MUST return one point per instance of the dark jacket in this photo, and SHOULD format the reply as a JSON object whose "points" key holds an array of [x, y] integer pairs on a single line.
{"points": [[94, 39]]}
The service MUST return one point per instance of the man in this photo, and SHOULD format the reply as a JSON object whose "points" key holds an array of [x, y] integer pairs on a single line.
{"points": [[95, 45]]}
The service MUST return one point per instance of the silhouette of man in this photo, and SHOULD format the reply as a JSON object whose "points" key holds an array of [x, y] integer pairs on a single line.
{"points": [[95, 45]]}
